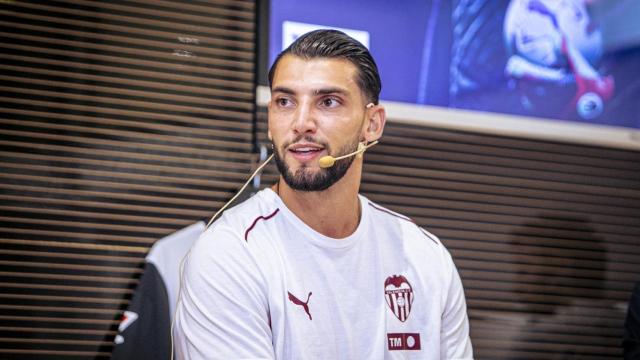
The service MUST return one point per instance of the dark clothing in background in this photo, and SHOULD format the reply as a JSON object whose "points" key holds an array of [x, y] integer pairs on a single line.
{"points": [[147, 336], [145, 327], [631, 342]]}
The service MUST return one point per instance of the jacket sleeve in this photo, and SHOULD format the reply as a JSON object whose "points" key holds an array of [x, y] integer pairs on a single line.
{"points": [[454, 334], [222, 310], [144, 327]]}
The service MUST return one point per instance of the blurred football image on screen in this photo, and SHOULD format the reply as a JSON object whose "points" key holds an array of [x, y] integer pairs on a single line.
{"points": [[555, 47]]}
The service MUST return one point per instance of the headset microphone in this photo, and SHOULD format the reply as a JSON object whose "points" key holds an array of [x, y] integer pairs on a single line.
{"points": [[328, 161]]}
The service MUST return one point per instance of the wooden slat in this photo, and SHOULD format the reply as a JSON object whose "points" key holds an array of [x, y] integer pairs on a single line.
{"points": [[513, 169], [493, 203], [80, 235], [509, 215], [533, 337], [77, 245], [453, 197], [101, 279], [215, 66], [548, 260], [198, 95], [52, 224], [546, 246], [529, 266], [507, 279], [75, 309], [86, 289], [215, 8], [141, 22], [491, 353], [513, 321], [143, 77], [150, 94], [55, 319], [490, 227], [497, 290], [99, 268], [504, 146], [41, 198], [119, 154], [102, 183], [169, 208], [176, 203], [110, 101], [135, 114], [445, 153], [611, 192], [55, 352], [33, 330], [136, 157], [203, 14], [623, 205], [208, 46], [173, 65], [232, 179], [547, 308], [66, 256], [105, 100], [25, 209], [77, 342], [69, 299]]}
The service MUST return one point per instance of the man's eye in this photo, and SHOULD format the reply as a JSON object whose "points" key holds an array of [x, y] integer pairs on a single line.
{"points": [[330, 102], [283, 102]]}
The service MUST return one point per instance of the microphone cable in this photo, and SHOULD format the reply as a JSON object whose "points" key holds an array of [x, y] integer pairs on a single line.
{"points": [[175, 312]]}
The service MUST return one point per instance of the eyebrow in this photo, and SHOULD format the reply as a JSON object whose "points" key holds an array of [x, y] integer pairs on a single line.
{"points": [[331, 90], [324, 91], [282, 90]]}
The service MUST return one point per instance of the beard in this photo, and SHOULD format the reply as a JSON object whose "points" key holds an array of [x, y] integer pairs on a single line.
{"points": [[305, 179]]}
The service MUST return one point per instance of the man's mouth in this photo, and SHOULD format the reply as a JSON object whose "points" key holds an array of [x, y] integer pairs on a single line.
{"points": [[305, 152]]}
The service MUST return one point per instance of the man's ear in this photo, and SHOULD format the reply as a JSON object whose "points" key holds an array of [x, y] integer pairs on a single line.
{"points": [[374, 124]]}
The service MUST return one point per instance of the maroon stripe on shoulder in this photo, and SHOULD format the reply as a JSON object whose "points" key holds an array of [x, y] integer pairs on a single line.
{"points": [[246, 233], [407, 219], [429, 236], [391, 213]]}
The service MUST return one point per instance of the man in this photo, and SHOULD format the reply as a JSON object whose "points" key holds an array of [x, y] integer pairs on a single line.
{"points": [[309, 269]]}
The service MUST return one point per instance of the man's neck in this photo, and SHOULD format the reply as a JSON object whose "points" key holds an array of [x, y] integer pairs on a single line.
{"points": [[334, 212]]}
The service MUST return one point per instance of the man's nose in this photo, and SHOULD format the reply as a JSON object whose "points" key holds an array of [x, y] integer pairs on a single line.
{"points": [[304, 118]]}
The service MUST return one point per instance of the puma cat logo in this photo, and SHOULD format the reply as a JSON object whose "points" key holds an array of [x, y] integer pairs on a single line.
{"points": [[305, 305]]}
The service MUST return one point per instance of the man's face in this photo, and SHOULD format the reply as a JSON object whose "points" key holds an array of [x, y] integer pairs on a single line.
{"points": [[316, 109]]}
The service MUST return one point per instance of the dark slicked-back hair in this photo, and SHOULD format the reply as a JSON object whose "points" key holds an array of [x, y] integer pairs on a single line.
{"points": [[337, 45]]}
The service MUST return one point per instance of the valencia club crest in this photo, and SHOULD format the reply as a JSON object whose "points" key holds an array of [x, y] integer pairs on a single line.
{"points": [[399, 296]]}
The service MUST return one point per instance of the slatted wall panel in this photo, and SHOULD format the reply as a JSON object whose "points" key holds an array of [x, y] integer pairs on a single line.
{"points": [[120, 122], [545, 235]]}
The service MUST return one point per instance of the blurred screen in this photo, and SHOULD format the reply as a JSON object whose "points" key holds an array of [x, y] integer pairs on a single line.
{"points": [[572, 60]]}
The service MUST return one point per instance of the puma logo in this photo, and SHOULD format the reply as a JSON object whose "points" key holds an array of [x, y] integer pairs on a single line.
{"points": [[305, 305]]}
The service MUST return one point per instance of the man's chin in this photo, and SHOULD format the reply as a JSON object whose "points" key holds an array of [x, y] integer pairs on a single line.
{"points": [[306, 179], [309, 176]]}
